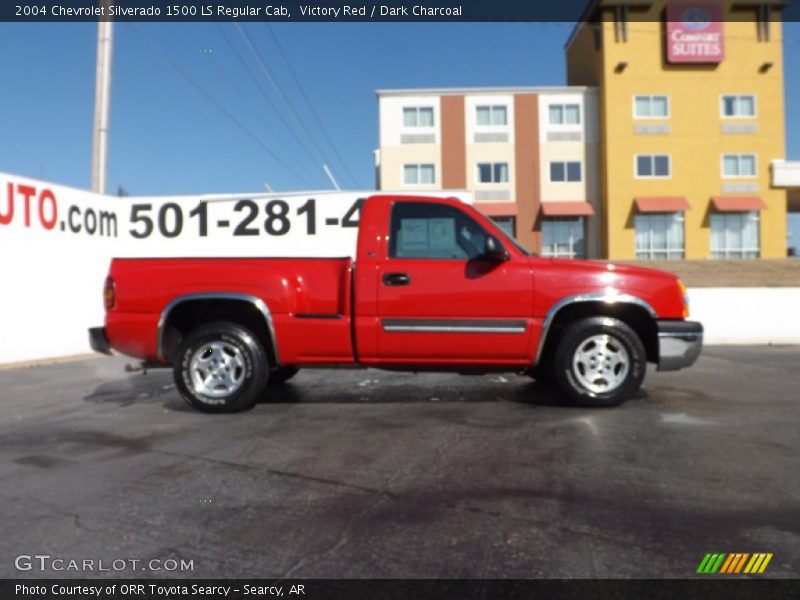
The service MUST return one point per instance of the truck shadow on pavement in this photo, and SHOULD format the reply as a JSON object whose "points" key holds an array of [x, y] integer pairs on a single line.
{"points": [[523, 392], [157, 387]]}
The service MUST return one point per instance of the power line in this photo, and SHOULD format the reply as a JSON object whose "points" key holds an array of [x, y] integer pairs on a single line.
{"points": [[309, 104], [216, 104], [245, 99], [266, 70], [264, 93]]}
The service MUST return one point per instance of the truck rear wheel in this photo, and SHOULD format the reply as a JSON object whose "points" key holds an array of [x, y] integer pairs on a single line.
{"points": [[221, 367], [599, 362]]}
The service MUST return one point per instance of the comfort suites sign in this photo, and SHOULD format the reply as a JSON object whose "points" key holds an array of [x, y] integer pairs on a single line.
{"points": [[695, 32]]}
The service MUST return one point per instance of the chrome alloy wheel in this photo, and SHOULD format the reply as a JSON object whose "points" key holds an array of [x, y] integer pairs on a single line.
{"points": [[217, 369], [601, 363]]}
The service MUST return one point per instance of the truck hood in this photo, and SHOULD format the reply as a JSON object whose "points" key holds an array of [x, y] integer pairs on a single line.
{"points": [[555, 279], [600, 266]]}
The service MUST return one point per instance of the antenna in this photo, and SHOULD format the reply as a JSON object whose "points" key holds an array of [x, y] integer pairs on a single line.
{"points": [[330, 176]]}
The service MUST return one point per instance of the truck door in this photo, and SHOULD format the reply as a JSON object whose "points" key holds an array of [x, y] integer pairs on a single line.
{"points": [[440, 300]]}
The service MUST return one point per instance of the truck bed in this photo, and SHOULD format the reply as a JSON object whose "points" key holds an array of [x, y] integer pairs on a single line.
{"points": [[308, 299]]}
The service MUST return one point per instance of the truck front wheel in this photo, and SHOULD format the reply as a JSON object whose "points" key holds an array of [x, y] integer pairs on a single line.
{"points": [[221, 367], [599, 362], [282, 374]]}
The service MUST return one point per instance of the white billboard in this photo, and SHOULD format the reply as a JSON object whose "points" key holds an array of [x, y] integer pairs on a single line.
{"points": [[56, 243]]}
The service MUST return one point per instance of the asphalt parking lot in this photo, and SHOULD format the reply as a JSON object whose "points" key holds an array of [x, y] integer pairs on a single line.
{"points": [[372, 474]]}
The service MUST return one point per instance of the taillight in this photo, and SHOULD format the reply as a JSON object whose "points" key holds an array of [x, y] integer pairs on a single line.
{"points": [[108, 294]]}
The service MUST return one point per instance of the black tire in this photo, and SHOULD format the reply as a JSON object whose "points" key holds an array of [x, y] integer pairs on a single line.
{"points": [[231, 354], [282, 375], [543, 373], [621, 356]]}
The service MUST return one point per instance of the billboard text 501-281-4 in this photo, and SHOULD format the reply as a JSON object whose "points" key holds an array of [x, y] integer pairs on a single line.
{"points": [[276, 217]]}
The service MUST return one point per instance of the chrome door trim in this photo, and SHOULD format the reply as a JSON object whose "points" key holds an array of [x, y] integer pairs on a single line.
{"points": [[453, 326]]}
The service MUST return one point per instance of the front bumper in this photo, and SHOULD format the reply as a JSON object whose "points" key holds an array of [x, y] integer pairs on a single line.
{"points": [[98, 340], [679, 344]]}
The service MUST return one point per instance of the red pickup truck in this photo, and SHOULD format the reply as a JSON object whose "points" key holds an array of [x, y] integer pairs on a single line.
{"points": [[435, 285]]}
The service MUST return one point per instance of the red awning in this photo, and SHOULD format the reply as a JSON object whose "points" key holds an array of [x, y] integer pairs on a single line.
{"points": [[738, 203], [662, 204], [567, 208], [497, 209]]}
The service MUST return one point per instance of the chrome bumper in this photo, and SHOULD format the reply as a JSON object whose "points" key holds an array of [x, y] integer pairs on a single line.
{"points": [[679, 344], [98, 340]]}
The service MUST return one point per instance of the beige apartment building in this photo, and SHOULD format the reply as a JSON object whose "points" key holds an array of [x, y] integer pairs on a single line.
{"points": [[529, 155]]}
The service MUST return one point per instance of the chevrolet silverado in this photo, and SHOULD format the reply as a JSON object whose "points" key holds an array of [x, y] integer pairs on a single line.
{"points": [[435, 285]]}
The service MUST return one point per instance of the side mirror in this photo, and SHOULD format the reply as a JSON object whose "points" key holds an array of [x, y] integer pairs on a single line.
{"points": [[493, 250]]}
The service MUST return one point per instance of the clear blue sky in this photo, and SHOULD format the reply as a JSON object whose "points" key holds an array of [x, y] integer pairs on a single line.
{"points": [[167, 139]]}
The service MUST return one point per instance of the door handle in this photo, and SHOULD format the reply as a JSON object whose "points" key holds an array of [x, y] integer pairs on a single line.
{"points": [[396, 279]]}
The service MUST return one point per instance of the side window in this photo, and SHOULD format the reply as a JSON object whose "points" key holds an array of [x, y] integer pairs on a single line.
{"points": [[425, 230]]}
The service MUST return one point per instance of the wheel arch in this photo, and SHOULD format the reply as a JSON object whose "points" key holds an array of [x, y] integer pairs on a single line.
{"points": [[189, 311], [632, 310]]}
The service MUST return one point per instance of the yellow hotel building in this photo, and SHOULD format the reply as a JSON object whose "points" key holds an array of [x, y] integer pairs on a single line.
{"points": [[686, 148], [672, 122]]}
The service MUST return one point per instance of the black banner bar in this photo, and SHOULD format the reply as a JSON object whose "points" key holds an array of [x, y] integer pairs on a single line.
{"points": [[328, 10], [708, 587]]}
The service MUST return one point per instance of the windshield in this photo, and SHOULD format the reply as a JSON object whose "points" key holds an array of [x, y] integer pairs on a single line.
{"points": [[515, 243]]}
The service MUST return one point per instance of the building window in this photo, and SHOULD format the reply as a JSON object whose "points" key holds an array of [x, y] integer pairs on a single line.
{"points": [[738, 165], [492, 172], [565, 171], [418, 174], [659, 236], [734, 235], [418, 116], [563, 237], [653, 165], [565, 114], [650, 107], [491, 115], [739, 105], [507, 225]]}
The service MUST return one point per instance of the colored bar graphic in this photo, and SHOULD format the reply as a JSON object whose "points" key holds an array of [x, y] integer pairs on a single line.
{"points": [[727, 564], [717, 564], [734, 563], [740, 564], [703, 563], [708, 564], [755, 562], [711, 563], [730, 564], [765, 563]]}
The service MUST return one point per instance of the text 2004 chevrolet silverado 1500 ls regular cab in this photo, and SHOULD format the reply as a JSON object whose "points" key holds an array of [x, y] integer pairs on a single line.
{"points": [[435, 285]]}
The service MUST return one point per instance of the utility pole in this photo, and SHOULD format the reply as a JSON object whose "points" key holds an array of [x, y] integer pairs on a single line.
{"points": [[102, 104]]}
